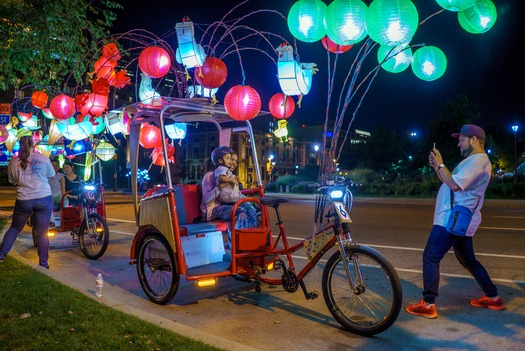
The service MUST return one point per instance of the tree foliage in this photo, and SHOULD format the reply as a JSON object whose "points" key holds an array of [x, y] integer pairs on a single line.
{"points": [[48, 42]]}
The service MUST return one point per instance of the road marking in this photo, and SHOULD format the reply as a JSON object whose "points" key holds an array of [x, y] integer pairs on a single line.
{"points": [[503, 228], [121, 220], [513, 217]]}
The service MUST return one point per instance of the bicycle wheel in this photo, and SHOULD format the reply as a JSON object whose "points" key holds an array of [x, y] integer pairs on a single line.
{"points": [[93, 236], [156, 269], [374, 304]]}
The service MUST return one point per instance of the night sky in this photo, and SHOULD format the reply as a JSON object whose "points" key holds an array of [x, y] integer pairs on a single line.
{"points": [[487, 67]]}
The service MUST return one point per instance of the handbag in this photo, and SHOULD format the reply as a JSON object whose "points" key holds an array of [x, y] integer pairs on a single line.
{"points": [[460, 217]]}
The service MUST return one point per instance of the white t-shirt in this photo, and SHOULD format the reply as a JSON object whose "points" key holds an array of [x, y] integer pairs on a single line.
{"points": [[54, 183], [32, 182], [473, 176]]}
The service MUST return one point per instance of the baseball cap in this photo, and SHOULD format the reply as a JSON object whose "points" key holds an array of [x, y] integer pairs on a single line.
{"points": [[470, 130]]}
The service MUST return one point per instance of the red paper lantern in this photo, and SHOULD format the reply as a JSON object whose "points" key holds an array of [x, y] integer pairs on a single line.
{"points": [[278, 108], [154, 61], [212, 74], [104, 67], [149, 136], [39, 99], [62, 106], [94, 105], [242, 102], [334, 47]]}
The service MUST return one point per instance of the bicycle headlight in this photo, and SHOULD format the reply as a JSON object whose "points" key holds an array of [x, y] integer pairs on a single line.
{"points": [[89, 187], [337, 194]]}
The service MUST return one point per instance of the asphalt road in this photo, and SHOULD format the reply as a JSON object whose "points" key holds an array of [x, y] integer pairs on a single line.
{"points": [[235, 317]]}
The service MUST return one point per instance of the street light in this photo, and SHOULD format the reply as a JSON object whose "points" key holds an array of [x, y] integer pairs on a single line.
{"points": [[515, 131]]}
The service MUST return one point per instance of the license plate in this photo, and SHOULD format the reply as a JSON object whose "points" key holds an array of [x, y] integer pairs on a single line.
{"points": [[343, 214]]}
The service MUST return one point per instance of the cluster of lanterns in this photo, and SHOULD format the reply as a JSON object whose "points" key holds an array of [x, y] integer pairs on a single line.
{"points": [[390, 23]]}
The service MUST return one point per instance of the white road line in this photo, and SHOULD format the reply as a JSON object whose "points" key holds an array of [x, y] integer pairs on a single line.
{"points": [[504, 228], [513, 217], [120, 220]]}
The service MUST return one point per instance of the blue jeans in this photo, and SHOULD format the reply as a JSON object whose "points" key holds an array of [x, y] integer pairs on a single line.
{"points": [[246, 214], [438, 244], [42, 208]]}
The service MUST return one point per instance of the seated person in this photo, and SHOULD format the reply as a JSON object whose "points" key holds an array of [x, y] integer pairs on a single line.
{"points": [[72, 183], [57, 184], [218, 192]]}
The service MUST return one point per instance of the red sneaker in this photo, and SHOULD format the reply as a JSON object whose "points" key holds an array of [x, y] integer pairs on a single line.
{"points": [[494, 304], [420, 309]]}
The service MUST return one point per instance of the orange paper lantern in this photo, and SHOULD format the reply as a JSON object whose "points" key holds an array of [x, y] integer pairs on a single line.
{"points": [[62, 106], [242, 102], [95, 105], [154, 61], [212, 74], [279, 108], [39, 99]]}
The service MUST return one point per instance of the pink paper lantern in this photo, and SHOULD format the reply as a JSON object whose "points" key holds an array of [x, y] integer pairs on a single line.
{"points": [[242, 102], [62, 106], [149, 136], [154, 61], [212, 74], [278, 108]]}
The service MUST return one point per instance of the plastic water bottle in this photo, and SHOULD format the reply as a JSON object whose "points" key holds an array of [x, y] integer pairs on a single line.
{"points": [[99, 284]]}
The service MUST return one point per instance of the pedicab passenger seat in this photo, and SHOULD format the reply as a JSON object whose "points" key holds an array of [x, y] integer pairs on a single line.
{"points": [[70, 216], [202, 242]]}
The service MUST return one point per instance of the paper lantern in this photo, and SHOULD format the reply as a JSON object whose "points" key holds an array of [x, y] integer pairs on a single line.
{"points": [[149, 136], [154, 61], [77, 147], [346, 21], [158, 156], [39, 99], [189, 53], [391, 22], [54, 133], [242, 102], [282, 129], [176, 130], [87, 166], [147, 94], [31, 123], [400, 58], [104, 67], [62, 106], [4, 134], [429, 63], [94, 105], [11, 140], [212, 74], [333, 47], [24, 116], [295, 78], [111, 51], [97, 123], [105, 151], [114, 122], [47, 113], [455, 5], [44, 147], [478, 18], [75, 131], [306, 20], [281, 108]]}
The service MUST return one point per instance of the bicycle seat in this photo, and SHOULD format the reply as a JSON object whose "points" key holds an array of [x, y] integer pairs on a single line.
{"points": [[272, 202]]}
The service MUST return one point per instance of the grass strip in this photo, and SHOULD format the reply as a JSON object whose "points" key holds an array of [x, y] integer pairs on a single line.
{"points": [[39, 313]]}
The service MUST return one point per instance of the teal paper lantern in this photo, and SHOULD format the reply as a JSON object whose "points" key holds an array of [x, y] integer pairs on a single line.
{"points": [[429, 63], [455, 5], [478, 18], [346, 21], [399, 58], [306, 20], [391, 22]]}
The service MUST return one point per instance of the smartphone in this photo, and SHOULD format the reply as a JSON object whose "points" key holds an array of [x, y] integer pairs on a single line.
{"points": [[433, 148]]}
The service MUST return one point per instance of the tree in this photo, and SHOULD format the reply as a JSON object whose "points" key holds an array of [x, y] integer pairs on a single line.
{"points": [[47, 42]]}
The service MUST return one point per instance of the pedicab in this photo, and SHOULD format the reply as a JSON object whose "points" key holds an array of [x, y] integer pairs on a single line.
{"points": [[361, 288], [85, 221]]}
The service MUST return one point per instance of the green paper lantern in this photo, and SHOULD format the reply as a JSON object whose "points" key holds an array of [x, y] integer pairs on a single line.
{"points": [[429, 63], [306, 20], [478, 18], [400, 58], [391, 22], [455, 5], [346, 21]]}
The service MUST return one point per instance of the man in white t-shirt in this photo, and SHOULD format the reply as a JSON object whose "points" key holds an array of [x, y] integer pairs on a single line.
{"points": [[468, 182], [57, 184]]}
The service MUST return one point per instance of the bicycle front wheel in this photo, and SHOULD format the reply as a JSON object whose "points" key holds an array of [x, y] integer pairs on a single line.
{"points": [[93, 236], [373, 304]]}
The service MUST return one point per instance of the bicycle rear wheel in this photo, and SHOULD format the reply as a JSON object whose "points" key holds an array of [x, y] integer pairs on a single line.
{"points": [[93, 236], [374, 304], [156, 269]]}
